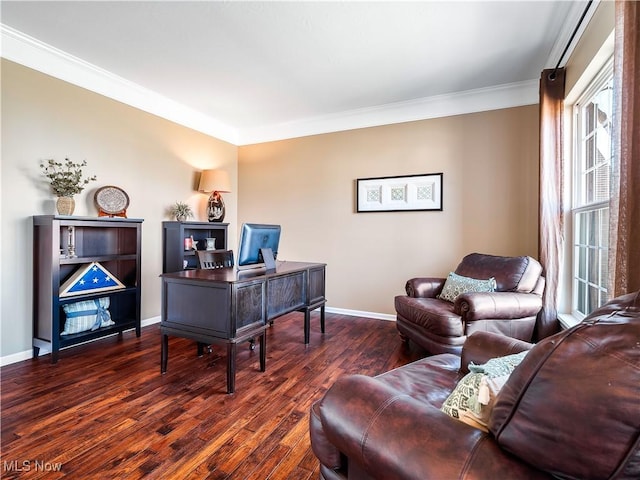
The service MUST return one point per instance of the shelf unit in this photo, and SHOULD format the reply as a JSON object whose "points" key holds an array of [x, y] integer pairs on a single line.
{"points": [[113, 242], [174, 234]]}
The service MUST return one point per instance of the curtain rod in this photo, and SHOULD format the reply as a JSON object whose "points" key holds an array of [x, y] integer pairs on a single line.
{"points": [[552, 76]]}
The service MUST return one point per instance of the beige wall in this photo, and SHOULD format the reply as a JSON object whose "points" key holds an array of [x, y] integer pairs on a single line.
{"points": [[489, 161], [490, 166], [155, 161]]}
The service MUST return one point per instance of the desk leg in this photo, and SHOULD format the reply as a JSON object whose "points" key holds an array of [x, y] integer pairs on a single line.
{"points": [[231, 367], [164, 354], [307, 327], [322, 318], [263, 351]]}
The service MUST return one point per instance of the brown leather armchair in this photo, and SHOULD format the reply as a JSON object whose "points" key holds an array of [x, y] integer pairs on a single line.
{"points": [[441, 326], [570, 409]]}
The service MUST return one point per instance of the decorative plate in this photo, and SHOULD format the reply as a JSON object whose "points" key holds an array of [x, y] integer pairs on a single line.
{"points": [[111, 200]]}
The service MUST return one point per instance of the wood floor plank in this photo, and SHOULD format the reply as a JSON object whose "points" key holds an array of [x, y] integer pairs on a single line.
{"points": [[105, 410]]}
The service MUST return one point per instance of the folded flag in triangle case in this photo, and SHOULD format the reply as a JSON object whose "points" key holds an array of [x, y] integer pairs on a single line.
{"points": [[90, 278]]}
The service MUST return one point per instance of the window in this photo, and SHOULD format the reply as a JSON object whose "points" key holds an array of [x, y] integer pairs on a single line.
{"points": [[590, 205]]}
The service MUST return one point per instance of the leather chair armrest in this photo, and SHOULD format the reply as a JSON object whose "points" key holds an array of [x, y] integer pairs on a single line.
{"points": [[424, 287], [326, 452], [391, 435], [497, 305], [481, 347]]}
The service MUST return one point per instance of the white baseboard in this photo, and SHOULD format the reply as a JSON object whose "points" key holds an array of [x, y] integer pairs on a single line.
{"points": [[27, 354], [15, 358], [361, 313], [150, 321]]}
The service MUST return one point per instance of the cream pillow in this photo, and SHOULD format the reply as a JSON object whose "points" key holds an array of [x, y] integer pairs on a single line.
{"points": [[474, 396], [464, 400]]}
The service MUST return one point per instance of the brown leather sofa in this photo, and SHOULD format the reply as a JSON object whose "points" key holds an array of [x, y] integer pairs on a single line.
{"points": [[571, 409], [441, 326]]}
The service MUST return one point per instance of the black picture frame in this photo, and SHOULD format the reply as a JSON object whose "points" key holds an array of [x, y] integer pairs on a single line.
{"points": [[401, 193]]}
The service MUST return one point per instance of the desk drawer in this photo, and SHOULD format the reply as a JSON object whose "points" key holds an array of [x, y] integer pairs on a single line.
{"points": [[249, 305], [286, 293], [197, 308], [316, 285]]}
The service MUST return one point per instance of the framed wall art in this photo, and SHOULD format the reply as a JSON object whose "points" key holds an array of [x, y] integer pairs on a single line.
{"points": [[401, 193]]}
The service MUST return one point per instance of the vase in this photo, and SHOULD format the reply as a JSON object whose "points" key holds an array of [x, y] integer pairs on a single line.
{"points": [[215, 208], [65, 205]]}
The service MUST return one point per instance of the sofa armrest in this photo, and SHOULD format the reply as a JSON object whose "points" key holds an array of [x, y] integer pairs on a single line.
{"points": [[481, 347], [424, 287], [326, 452], [391, 435], [497, 305]]}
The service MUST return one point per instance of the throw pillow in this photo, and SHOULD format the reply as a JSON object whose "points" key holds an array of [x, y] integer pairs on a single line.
{"points": [[473, 398], [456, 285], [464, 399], [86, 315]]}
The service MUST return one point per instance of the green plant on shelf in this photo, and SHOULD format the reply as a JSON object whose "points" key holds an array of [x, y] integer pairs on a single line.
{"points": [[181, 211], [66, 178]]}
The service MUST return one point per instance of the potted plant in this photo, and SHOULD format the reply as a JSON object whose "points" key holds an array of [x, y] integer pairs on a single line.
{"points": [[66, 181], [181, 211]]}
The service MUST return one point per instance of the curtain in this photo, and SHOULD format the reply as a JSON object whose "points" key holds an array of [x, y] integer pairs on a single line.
{"points": [[550, 214], [624, 215]]}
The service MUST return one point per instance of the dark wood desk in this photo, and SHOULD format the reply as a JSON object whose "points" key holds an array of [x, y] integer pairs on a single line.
{"points": [[229, 306]]}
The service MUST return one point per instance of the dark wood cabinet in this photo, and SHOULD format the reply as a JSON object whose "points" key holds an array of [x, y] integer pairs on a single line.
{"points": [[64, 245], [173, 242]]}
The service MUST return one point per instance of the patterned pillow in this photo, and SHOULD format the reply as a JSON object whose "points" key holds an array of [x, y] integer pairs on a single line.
{"points": [[473, 398], [464, 399], [86, 315], [457, 285]]}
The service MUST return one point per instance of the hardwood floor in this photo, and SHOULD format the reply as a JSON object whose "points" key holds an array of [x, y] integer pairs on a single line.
{"points": [[105, 411]]}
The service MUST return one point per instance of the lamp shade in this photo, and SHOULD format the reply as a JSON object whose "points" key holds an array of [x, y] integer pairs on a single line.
{"points": [[214, 181]]}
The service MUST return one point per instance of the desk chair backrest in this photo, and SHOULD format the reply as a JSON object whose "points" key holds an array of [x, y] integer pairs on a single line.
{"points": [[209, 259]]}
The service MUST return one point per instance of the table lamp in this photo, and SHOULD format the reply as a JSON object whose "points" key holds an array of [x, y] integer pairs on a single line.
{"points": [[215, 182]]}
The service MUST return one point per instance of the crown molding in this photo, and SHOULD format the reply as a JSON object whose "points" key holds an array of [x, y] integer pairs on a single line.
{"points": [[32, 53], [470, 101]]}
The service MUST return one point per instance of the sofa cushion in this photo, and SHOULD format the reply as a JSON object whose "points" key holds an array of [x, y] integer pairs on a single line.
{"points": [[429, 380], [435, 315], [576, 394], [456, 285], [512, 274]]}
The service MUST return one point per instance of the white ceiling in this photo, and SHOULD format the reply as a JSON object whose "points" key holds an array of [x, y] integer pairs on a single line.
{"points": [[265, 70]]}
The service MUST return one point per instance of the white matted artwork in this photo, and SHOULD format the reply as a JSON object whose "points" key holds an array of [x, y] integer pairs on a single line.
{"points": [[396, 194]]}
